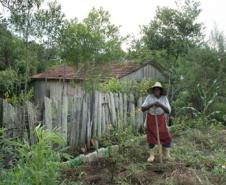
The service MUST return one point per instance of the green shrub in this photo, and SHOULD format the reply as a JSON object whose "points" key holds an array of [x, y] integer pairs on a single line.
{"points": [[182, 123], [182, 99], [8, 81], [112, 85], [138, 88], [21, 98], [38, 164], [117, 135], [221, 107]]}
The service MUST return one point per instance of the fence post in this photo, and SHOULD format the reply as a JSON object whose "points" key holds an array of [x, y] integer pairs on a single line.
{"points": [[106, 112], [89, 119], [121, 113], [116, 107], [1, 112], [9, 119], [103, 117], [48, 113], [132, 109], [64, 118], [112, 108], [76, 119], [32, 119], [84, 120], [125, 109], [99, 115], [95, 114], [139, 114]]}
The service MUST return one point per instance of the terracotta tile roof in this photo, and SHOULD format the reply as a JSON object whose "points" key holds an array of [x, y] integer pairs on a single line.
{"points": [[105, 71], [56, 73]]}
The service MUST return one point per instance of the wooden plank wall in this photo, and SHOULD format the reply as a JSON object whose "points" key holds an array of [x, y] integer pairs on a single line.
{"points": [[1, 112], [147, 72], [79, 119]]}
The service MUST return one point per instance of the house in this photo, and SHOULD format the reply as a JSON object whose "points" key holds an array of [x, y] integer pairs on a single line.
{"points": [[61, 79]]}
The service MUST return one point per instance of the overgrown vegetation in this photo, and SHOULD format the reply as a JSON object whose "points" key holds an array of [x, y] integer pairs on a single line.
{"points": [[199, 153], [33, 164], [34, 38], [138, 88], [198, 146]]}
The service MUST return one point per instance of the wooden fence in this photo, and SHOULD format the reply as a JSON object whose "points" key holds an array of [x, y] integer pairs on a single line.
{"points": [[79, 118]]}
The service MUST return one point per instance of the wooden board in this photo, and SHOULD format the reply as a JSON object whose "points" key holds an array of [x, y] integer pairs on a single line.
{"points": [[95, 115], [1, 112], [84, 120], [89, 121], [32, 120], [112, 108], [48, 113], [99, 117], [139, 114], [64, 117], [125, 109], [132, 109], [121, 112]]}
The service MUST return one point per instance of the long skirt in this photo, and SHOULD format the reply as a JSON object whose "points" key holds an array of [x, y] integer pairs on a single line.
{"points": [[165, 136]]}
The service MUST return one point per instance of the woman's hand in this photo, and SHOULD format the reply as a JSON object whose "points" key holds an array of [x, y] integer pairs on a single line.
{"points": [[157, 104], [145, 108]]}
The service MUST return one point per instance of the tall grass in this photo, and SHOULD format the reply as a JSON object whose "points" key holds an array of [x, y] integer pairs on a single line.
{"points": [[38, 164]]}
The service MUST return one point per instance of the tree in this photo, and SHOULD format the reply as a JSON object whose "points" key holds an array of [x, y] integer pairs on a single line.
{"points": [[50, 24], [22, 22], [168, 39], [30, 22], [6, 52], [95, 39], [174, 30], [8, 82]]}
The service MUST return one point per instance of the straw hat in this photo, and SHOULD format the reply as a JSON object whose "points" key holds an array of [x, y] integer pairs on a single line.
{"points": [[159, 85]]}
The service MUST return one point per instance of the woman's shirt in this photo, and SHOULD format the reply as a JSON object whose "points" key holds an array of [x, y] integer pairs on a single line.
{"points": [[150, 99]]}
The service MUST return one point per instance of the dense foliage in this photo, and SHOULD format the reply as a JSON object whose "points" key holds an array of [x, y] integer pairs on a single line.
{"points": [[196, 67], [34, 38], [95, 39], [38, 164]]}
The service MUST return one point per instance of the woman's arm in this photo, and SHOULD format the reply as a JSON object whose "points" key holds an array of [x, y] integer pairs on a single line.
{"points": [[164, 104], [145, 108], [166, 110]]}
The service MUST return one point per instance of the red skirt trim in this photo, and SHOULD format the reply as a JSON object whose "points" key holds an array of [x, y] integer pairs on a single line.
{"points": [[165, 136]]}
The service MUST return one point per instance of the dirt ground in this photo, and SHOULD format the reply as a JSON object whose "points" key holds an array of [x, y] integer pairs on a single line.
{"points": [[129, 166]]}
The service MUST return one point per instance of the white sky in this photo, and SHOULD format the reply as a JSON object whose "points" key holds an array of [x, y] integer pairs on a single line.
{"points": [[132, 13]]}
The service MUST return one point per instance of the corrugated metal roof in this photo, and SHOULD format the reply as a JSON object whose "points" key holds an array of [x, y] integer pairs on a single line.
{"points": [[105, 71]]}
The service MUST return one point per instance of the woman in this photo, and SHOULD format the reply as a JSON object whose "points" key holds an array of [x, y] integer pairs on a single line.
{"points": [[157, 104]]}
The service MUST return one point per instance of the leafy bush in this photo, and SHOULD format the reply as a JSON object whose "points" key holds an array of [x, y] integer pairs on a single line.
{"points": [[117, 135], [112, 85], [182, 99], [201, 104], [221, 107], [21, 97], [39, 163], [8, 79], [138, 88], [183, 123]]}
